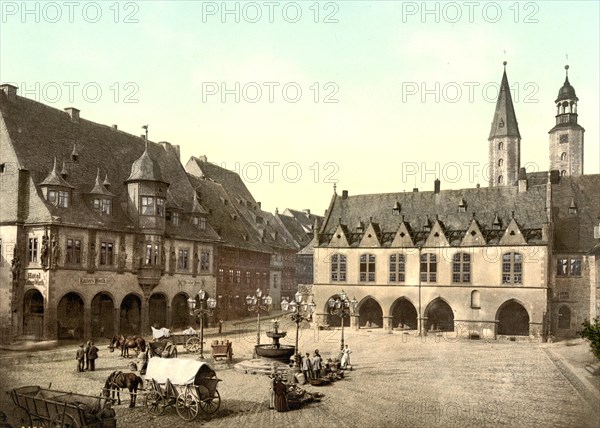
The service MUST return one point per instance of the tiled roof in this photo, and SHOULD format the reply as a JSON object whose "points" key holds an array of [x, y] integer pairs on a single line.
{"points": [[574, 229], [418, 208], [505, 120], [55, 179], [40, 133]]}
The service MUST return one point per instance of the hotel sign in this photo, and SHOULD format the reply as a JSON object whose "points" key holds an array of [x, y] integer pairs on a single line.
{"points": [[34, 279]]}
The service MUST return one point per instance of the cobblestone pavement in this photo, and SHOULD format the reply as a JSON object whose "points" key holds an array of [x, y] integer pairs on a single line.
{"points": [[398, 380]]}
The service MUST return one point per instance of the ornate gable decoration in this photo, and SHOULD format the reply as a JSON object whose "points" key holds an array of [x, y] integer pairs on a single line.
{"points": [[437, 237], [403, 237], [370, 238], [513, 235], [473, 236], [339, 238]]}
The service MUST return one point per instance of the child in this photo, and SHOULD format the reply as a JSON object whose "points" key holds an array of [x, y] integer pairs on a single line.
{"points": [[80, 358]]}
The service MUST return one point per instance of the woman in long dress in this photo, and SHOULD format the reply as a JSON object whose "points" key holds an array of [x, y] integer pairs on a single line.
{"points": [[345, 362]]}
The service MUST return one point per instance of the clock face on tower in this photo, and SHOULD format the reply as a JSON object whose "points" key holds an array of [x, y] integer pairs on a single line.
{"points": [[564, 138]]}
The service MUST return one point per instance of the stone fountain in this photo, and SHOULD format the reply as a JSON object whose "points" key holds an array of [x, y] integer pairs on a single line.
{"points": [[275, 351]]}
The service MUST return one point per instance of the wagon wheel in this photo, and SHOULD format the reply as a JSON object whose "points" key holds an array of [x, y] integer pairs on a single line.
{"points": [[154, 403], [21, 417], [63, 421], [193, 345], [187, 406], [211, 405]]}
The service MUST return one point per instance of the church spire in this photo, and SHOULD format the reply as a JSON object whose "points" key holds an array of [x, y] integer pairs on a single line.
{"points": [[505, 120]]}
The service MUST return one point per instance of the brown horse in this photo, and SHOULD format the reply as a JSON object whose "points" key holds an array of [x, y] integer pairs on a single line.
{"points": [[132, 342], [117, 380]]}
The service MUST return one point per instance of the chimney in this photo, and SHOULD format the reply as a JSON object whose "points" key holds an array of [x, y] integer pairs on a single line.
{"points": [[554, 176], [115, 127], [415, 189], [203, 158], [258, 203], [436, 186], [307, 211], [10, 91], [73, 114], [522, 180], [344, 194]]}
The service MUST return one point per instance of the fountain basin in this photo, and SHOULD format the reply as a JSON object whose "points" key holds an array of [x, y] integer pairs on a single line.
{"points": [[283, 353]]}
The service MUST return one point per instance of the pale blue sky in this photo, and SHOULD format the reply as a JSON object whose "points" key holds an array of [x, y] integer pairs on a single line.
{"points": [[377, 59]]}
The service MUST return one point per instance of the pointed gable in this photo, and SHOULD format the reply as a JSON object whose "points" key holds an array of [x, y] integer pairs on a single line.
{"points": [[403, 237], [54, 179], [371, 236], [505, 120], [340, 237], [513, 235], [437, 237], [473, 235]]}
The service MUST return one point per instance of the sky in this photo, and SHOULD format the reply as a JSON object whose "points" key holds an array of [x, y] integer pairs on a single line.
{"points": [[369, 96]]}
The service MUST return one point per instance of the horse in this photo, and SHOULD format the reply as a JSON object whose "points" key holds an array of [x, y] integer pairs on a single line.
{"points": [[133, 342], [117, 380]]}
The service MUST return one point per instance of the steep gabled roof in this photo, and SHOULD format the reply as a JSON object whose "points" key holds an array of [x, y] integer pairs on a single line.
{"points": [[505, 120]]}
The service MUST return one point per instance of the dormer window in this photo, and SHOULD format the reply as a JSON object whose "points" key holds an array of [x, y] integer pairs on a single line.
{"points": [[60, 198], [160, 207], [151, 205], [175, 218], [104, 205], [199, 221]]}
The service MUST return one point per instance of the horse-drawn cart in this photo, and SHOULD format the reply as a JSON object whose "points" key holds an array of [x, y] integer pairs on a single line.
{"points": [[189, 340], [187, 385], [52, 408]]}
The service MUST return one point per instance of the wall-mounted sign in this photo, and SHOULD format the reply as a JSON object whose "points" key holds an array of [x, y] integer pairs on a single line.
{"points": [[34, 278], [190, 282], [92, 281]]}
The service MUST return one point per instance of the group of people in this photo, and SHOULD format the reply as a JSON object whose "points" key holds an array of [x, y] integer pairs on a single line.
{"points": [[317, 368], [86, 357]]}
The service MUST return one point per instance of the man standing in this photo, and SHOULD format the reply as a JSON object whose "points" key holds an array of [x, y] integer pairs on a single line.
{"points": [[80, 357], [316, 364], [86, 348], [306, 367], [92, 354]]}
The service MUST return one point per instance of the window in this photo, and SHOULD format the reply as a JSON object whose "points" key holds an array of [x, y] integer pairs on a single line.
{"points": [[367, 267], [52, 196], [500, 163], [152, 254], [160, 207], [500, 145], [563, 173], [247, 278], [397, 267], [475, 300], [257, 279], [106, 206], [563, 156], [175, 218], [202, 223], [461, 268], [73, 251], [184, 259], [195, 220], [512, 268], [238, 277], [563, 138], [500, 179], [221, 276], [106, 253], [338, 268], [63, 199], [230, 277], [568, 266], [147, 205], [205, 261], [97, 203], [428, 267], [33, 250]]}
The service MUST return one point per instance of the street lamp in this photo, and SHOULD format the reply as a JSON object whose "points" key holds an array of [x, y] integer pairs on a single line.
{"points": [[342, 307], [300, 311], [258, 303], [211, 303]]}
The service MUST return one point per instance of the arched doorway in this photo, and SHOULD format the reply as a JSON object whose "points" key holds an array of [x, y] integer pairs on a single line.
{"points": [[33, 314], [564, 318], [179, 309], [131, 315], [332, 319], [404, 315], [513, 319], [103, 316], [440, 316], [158, 310], [370, 314], [69, 315]]}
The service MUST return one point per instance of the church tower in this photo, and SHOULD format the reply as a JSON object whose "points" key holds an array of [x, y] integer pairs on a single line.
{"points": [[566, 138], [504, 140]]}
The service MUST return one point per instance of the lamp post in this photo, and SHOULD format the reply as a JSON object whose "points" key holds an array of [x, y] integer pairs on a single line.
{"points": [[300, 311], [342, 307], [211, 303], [258, 303]]}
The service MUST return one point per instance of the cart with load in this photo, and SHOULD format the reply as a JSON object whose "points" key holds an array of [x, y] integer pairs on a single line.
{"points": [[163, 348], [37, 406], [222, 349], [187, 385], [189, 339]]}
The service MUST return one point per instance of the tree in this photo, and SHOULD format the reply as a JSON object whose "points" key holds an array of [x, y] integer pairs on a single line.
{"points": [[591, 332]]}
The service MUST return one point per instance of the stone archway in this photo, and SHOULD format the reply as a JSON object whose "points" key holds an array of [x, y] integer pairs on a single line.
{"points": [[513, 319], [131, 315], [370, 313], [69, 315], [103, 316], [440, 316], [33, 314], [332, 319], [179, 310], [404, 315], [157, 310]]}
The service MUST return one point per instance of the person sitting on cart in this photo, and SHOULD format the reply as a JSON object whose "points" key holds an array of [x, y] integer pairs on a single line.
{"points": [[307, 367]]}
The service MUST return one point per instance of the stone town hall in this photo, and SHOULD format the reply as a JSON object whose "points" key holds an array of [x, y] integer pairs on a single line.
{"points": [[518, 258]]}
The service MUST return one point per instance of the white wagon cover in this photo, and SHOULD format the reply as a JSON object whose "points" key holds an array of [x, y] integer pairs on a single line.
{"points": [[180, 371]]}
